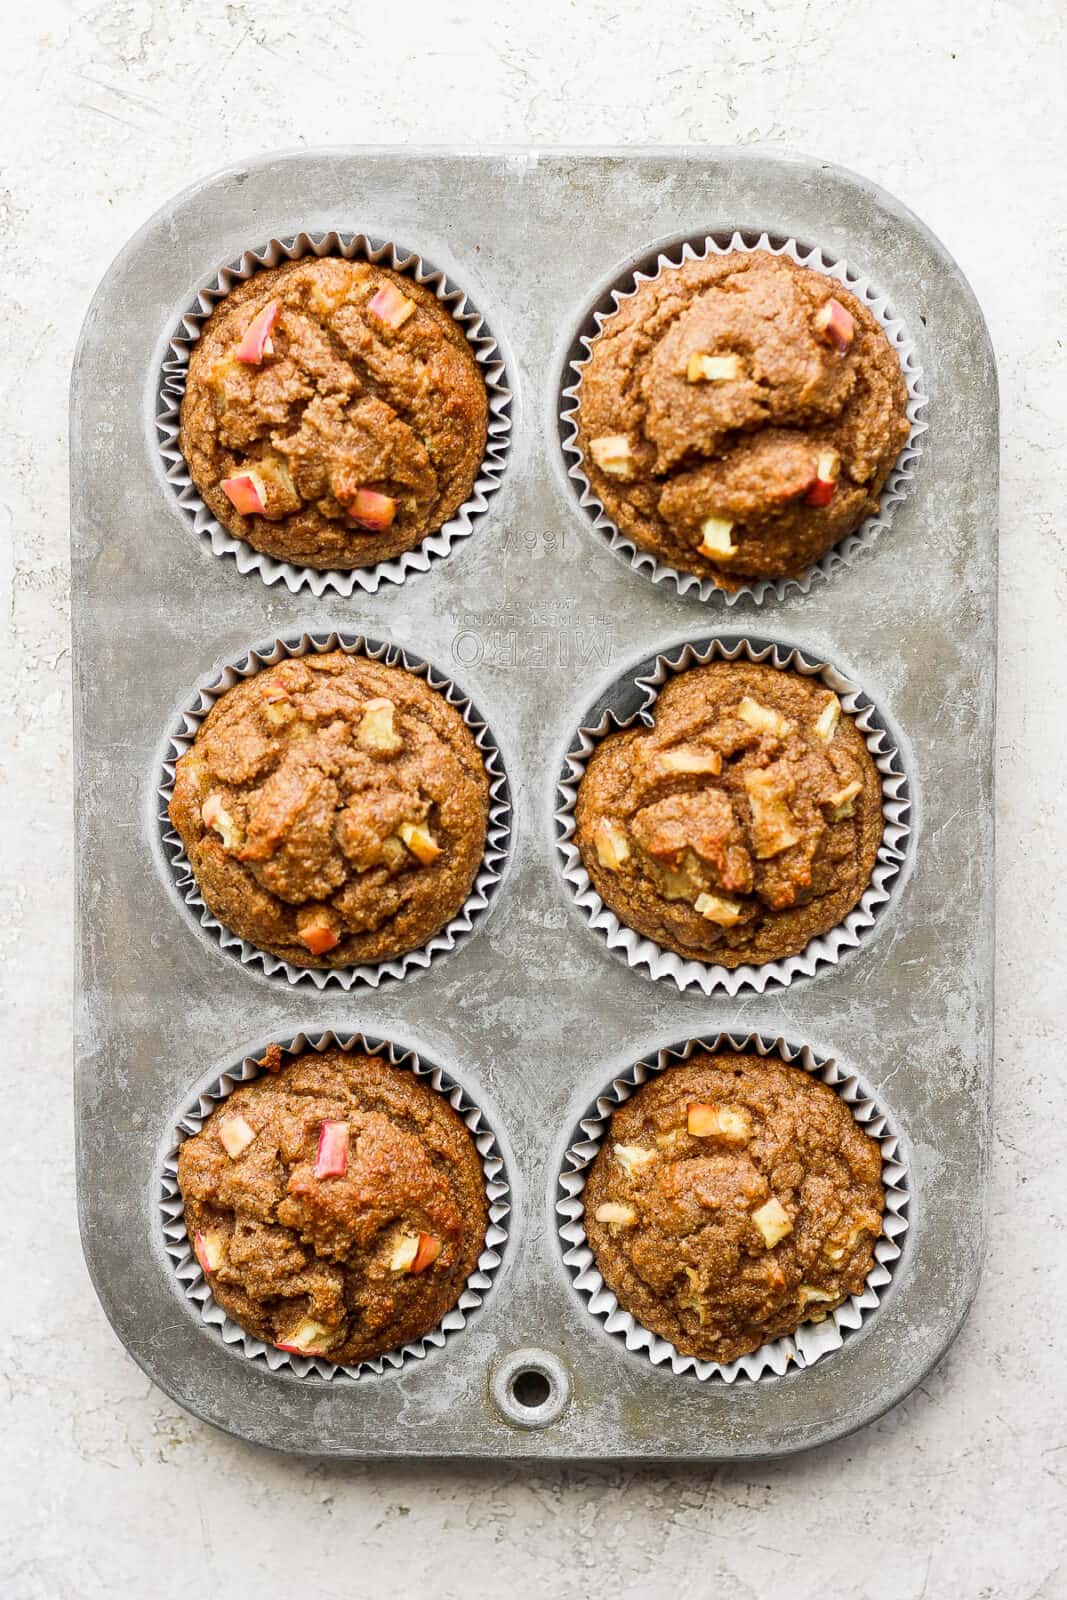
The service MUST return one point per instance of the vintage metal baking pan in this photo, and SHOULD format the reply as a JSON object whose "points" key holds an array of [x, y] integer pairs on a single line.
{"points": [[533, 1015]]}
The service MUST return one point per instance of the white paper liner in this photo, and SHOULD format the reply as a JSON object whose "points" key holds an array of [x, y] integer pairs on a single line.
{"points": [[824, 950], [175, 368], [191, 1275], [812, 1340], [896, 485], [498, 833]]}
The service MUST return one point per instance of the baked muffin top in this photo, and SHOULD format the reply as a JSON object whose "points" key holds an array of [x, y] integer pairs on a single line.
{"points": [[334, 413], [732, 1199], [336, 1207], [743, 823], [333, 809], [739, 415]]}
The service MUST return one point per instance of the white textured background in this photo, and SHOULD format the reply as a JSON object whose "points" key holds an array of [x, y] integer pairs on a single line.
{"points": [[958, 107]]}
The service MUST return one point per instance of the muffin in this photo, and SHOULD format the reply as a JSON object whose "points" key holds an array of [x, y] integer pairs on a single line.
{"points": [[742, 824], [739, 415], [733, 1198], [336, 1205], [333, 810], [334, 413]]}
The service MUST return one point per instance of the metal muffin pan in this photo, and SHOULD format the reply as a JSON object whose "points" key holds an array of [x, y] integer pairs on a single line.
{"points": [[538, 620]]}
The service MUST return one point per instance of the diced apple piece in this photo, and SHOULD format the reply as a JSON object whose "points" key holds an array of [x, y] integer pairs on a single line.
{"points": [[257, 341], [827, 720], [844, 801], [835, 325], [308, 1338], [278, 708], [210, 1249], [705, 1121], [772, 821], [686, 759], [377, 728], [390, 306], [674, 885], [694, 1301], [702, 1120], [612, 848], [725, 913], [621, 1216], [332, 1156], [715, 541], [827, 472], [427, 1253], [371, 510], [318, 933], [612, 454], [275, 469], [712, 369], [246, 494], [420, 841], [772, 1220], [235, 1135], [808, 1295], [632, 1159], [404, 1252], [763, 718], [856, 1233], [215, 816]]}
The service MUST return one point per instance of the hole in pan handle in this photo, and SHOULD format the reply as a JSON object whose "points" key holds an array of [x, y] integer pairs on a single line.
{"points": [[531, 1388]]}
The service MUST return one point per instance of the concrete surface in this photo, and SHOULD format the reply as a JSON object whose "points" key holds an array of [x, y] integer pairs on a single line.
{"points": [[959, 109]]}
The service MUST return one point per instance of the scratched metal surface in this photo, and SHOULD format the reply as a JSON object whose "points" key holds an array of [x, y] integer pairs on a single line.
{"points": [[534, 617]]}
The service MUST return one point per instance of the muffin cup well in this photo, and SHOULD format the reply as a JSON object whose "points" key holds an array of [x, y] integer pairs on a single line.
{"points": [[825, 949], [697, 248], [498, 834], [174, 371], [188, 1270], [812, 1340]]}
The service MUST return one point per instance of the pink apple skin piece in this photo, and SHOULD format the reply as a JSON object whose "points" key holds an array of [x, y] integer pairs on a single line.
{"points": [[257, 341], [308, 1338], [332, 1157], [246, 494], [209, 1248], [427, 1253], [372, 510], [826, 475], [835, 325], [390, 306], [236, 1135]]}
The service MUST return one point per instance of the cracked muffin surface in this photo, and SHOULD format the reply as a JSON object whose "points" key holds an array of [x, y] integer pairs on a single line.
{"points": [[732, 1199], [334, 413], [336, 1205], [742, 824], [334, 810], [739, 415]]}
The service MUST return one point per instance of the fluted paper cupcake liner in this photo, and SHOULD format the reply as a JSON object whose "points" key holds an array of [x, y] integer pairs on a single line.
{"points": [[697, 248], [825, 949], [812, 1340], [352, 247], [498, 834], [190, 1274]]}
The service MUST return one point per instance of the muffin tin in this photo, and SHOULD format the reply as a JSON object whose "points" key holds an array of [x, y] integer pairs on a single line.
{"points": [[531, 1014]]}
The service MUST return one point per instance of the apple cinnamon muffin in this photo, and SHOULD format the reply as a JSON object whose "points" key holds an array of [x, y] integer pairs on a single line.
{"points": [[336, 1205], [739, 415], [732, 1199], [333, 810], [744, 822], [334, 413]]}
